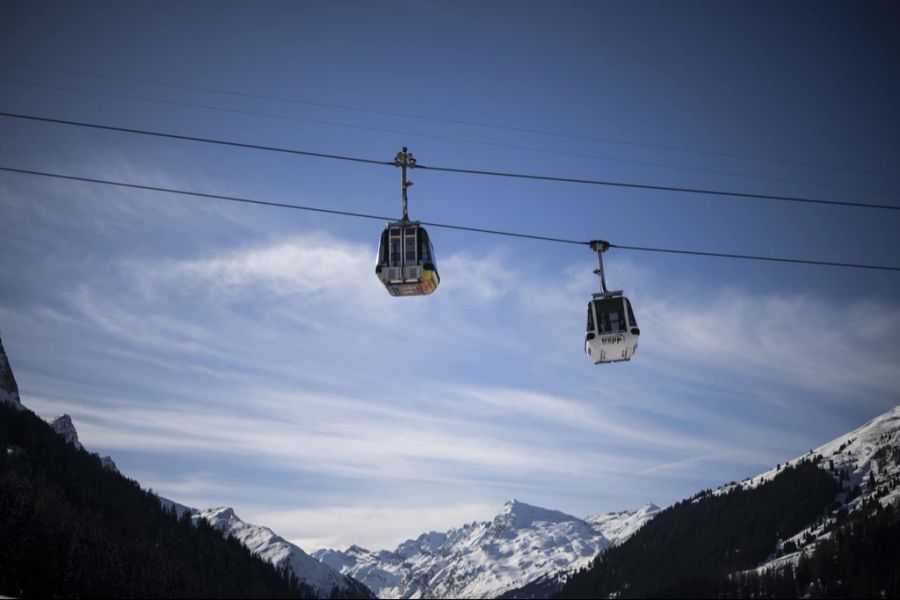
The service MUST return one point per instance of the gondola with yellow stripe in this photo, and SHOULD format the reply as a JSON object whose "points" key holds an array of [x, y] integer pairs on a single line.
{"points": [[406, 264]]}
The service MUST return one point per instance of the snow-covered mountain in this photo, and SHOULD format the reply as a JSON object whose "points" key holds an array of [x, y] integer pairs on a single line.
{"points": [[826, 504], [860, 452], [617, 527], [274, 549], [867, 458], [484, 560]]}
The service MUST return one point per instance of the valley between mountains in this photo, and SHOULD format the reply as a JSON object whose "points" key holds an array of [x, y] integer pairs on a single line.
{"points": [[529, 551]]}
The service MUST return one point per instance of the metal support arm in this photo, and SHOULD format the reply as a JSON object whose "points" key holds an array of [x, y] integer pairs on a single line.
{"points": [[404, 160], [600, 246]]}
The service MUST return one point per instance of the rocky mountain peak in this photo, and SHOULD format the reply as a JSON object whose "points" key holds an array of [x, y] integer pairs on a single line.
{"points": [[64, 427], [9, 391], [518, 515], [225, 513], [477, 560]]}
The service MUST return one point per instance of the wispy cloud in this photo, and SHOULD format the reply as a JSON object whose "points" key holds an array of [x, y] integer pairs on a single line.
{"points": [[285, 353], [806, 342], [370, 526]]}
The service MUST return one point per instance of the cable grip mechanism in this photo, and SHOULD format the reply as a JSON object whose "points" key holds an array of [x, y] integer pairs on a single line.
{"points": [[404, 160], [600, 246]]}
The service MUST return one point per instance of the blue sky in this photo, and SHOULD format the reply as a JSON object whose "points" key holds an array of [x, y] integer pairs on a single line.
{"points": [[236, 355]]}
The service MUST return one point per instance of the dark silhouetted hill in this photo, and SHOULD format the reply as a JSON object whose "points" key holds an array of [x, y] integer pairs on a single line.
{"points": [[70, 527]]}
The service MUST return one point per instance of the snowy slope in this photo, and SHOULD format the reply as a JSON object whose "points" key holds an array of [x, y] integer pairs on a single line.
{"points": [[869, 457], [274, 549], [484, 560], [617, 527], [855, 452]]}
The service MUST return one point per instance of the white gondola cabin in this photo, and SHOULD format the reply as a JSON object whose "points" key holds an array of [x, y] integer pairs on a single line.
{"points": [[406, 264], [612, 331]]}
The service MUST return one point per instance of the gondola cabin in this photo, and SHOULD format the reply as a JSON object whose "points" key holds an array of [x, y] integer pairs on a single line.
{"points": [[612, 331], [406, 264]]}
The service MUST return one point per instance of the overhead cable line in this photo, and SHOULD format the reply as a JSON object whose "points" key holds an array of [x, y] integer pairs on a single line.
{"points": [[543, 238], [191, 138], [552, 178], [197, 88], [329, 123], [661, 188]]}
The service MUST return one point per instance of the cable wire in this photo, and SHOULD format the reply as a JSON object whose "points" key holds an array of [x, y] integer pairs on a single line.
{"points": [[662, 188], [197, 88], [270, 115], [514, 234], [192, 138], [598, 182]]}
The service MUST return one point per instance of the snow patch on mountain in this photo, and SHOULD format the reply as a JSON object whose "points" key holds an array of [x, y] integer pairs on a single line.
{"points": [[274, 549], [483, 560]]}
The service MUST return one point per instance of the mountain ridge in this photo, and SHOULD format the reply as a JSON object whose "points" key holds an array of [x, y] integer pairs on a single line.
{"points": [[792, 510], [521, 543], [281, 553], [261, 541]]}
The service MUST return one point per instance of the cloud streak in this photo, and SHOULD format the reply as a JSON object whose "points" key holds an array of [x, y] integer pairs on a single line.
{"points": [[284, 361]]}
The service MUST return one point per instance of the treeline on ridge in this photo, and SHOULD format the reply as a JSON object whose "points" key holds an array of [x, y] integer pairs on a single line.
{"points": [[861, 559], [691, 548], [70, 527]]}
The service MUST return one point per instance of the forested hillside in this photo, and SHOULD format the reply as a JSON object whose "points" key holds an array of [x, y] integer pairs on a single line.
{"points": [[70, 527], [689, 549], [860, 559]]}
